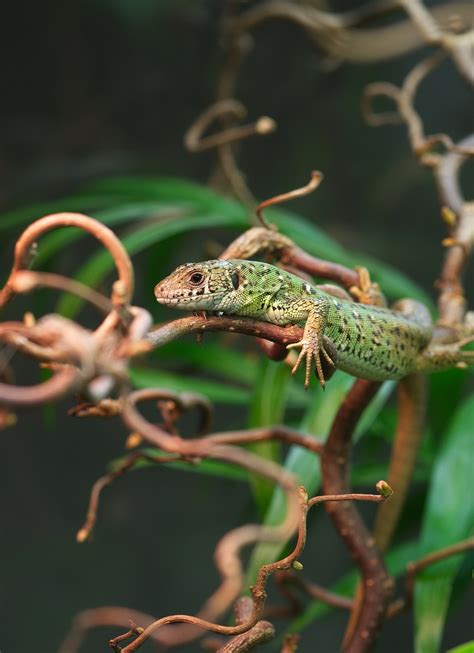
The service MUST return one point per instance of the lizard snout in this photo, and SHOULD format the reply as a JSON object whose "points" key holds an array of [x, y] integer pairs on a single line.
{"points": [[161, 293]]}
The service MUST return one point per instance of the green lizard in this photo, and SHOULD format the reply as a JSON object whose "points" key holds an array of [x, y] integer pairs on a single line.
{"points": [[370, 342]]}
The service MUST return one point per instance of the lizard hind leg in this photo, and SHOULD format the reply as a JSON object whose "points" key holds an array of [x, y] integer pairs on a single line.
{"points": [[415, 312], [438, 356]]}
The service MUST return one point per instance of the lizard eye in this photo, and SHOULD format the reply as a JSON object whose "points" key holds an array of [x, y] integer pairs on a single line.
{"points": [[196, 278], [235, 280]]}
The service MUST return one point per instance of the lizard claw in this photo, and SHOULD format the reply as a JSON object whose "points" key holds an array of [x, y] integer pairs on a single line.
{"points": [[311, 348]]}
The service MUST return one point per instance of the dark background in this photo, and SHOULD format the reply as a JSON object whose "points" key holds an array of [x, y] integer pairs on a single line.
{"points": [[95, 89]]}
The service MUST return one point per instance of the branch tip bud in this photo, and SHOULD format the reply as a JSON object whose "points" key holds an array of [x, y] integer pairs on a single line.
{"points": [[384, 489], [82, 535], [265, 125]]}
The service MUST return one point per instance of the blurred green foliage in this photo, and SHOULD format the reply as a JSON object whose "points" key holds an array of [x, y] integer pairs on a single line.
{"points": [[148, 213]]}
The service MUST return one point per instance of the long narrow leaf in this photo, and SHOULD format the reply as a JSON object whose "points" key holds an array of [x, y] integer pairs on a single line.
{"points": [[468, 647], [307, 235], [212, 357], [217, 392], [448, 518], [81, 203], [114, 193], [158, 211], [267, 407]]}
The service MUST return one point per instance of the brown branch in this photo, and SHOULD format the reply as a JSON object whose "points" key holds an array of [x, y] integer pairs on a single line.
{"points": [[458, 46], [290, 643], [447, 175], [115, 643], [170, 331], [414, 568], [63, 381], [457, 212], [259, 239], [316, 179], [26, 280], [58, 340], [84, 532], [223, 141], [262, 632], [404, 98], [321, 268], [451, 301], [315, 591], [227, 552], [197, 324], [195, 142], [258, 590], [335, 476], [115, 616], [122, 290], [319, 593], [333, 33], [37, 341], [279, 433], [411, 410], [185, 401]]}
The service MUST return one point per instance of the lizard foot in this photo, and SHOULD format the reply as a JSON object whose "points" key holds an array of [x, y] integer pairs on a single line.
{"points": [[312, 348]]}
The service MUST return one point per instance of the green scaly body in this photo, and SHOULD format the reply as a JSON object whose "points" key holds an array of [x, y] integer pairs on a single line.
{"points": [[371, 342]]}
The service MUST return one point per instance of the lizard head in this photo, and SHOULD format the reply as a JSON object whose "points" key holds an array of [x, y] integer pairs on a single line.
{"points": [[199, 286]]}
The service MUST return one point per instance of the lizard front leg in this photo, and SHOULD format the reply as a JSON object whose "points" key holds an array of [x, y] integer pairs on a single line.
{"points": [[312, 344]]}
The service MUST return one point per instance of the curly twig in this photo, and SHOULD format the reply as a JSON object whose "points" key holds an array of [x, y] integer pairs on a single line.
{"points": [[23, 248], [258, 590], [195, 142]]}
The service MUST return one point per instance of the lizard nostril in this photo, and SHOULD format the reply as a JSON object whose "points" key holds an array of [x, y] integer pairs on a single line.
{"points": [[158, 289]]}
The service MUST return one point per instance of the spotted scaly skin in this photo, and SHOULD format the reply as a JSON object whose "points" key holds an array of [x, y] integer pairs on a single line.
{"points": [[371, 342]]}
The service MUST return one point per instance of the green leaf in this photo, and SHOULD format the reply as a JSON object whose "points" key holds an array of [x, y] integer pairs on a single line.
{"points": [[205, 466], [212, 357], [172, 190], [217, 392], [233, 365], [81, 203], [448, 518], [267, 407], [468, 647], [159, 212], [366, 474], [304, 233], [115, 193], [445, 393]]}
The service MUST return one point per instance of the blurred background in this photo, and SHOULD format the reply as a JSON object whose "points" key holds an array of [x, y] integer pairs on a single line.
{"points": [[106, 88]]}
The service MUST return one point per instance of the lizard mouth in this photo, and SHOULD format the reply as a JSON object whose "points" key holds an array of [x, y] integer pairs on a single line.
{"points": [[174, 301], [186, 298]]}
